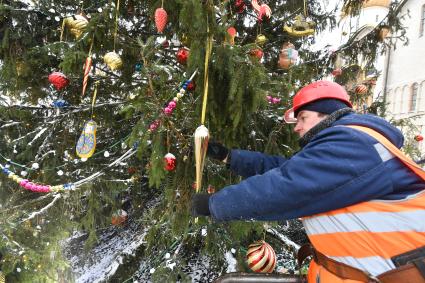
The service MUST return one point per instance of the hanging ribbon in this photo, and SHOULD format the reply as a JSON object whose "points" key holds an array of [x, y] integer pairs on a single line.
{"points": [[62, 29], [116, 23], [207, 59], [201, 135], [94, 98]]}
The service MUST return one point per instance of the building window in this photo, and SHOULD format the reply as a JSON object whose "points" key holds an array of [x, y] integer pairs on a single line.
{"points": [[413, 97], [422, 27], [397, 100], [403, 99]]}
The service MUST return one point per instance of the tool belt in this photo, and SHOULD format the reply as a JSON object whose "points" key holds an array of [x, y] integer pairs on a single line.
{"points": [[412, 269]]}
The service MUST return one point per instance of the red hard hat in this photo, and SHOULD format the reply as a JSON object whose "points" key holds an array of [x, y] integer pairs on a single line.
{"points": [[315, 91]]}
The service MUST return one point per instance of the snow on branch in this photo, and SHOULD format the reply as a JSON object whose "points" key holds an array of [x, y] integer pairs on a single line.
{"points": [[10, 124], [37, 136], [28, 134], [284, 239], [27, 203], [44, 209]]}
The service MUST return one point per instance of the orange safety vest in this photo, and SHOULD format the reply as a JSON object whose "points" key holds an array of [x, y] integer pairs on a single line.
{"points": [[366, 235]]}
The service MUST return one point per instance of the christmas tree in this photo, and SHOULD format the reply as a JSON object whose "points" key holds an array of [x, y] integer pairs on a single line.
{"points": [[100, 101]]}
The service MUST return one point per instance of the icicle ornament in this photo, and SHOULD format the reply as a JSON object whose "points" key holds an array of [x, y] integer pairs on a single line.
{"points": [[201, 145]]}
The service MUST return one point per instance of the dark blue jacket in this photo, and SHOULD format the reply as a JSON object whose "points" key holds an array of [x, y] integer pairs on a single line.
{"points": [[339, 167]]}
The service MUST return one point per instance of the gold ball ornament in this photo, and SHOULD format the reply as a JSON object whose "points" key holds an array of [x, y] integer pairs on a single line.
{"points": [[2, 278], [113, 60], [76, 24], [261, 39], [185, 40], [261, 257], [21, 68]]}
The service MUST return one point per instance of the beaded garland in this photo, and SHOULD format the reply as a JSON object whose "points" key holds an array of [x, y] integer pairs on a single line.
{"points": [[42, 188], [172, 104], [34, 187]]}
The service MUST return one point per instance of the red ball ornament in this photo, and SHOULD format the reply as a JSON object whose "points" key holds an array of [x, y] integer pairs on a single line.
{"points": [[191, 86], [131, 170], [337, 72], [169, 162], [257, 53], [165, 44], [361, 89], [182, 55], [59, 80], [231, 31], [211, 189], [419, 138], [261, 257], [119, 217], [160, 19], [240, 6]]}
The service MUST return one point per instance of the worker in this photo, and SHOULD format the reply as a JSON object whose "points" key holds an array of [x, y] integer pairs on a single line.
{"points": [[361, 203]]}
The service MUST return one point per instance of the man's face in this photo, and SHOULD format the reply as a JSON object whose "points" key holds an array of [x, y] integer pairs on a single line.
{"points": [[306, 120]]}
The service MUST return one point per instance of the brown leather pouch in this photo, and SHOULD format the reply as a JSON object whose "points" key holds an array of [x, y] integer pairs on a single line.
{"points": [[409, 257]]}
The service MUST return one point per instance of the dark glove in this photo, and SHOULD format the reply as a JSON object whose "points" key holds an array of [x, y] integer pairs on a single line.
{"points": [[200, 205], [217, 151]]}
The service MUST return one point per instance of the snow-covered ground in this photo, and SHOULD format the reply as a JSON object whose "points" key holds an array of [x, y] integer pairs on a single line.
{"points": [[103, 261]]}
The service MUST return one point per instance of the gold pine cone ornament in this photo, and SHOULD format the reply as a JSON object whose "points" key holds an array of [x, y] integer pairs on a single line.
{"points": [[76, 24], [113, 60]]}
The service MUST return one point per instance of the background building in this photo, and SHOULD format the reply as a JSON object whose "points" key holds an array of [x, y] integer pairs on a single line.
{"points": [[400, 70], [403, 74]]}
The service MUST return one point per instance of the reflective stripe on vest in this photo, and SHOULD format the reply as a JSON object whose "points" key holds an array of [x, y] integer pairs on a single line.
{"points": [[366, 235]]}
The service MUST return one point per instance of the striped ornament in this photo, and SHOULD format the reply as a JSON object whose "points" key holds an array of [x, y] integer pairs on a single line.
{"points": [[59, 80], [261, 257], [361, 89], [87, 68]]}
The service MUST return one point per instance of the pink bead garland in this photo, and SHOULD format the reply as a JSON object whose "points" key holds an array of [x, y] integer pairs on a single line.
{"points": [[168, 111], [273, 100], [172, 104], [155, 124], [26, 184]]}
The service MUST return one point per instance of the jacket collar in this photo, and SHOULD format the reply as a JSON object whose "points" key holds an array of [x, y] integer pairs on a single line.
{"points": [[324, 124]]}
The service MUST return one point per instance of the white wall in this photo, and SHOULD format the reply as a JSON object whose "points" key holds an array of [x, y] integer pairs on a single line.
{"points": [[406, 67], [370, 16]]}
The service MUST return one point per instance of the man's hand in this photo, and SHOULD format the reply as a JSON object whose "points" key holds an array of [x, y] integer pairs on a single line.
{"points": [[217, 151], [200, 205]]}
